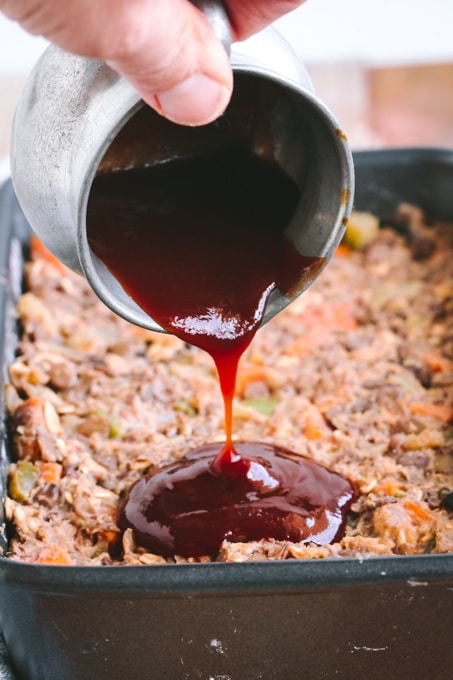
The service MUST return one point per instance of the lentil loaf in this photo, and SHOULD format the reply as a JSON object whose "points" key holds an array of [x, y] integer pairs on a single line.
{"points": [[356, 373]]}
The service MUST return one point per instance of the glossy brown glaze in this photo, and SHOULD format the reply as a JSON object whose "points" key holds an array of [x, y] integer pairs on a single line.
{"points": [[266, 492]]}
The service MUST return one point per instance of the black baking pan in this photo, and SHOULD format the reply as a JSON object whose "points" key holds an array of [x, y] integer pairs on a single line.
{"points": [[342, 618]]}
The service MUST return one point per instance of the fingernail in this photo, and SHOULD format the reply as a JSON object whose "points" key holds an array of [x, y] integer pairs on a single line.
{"points": [[196, 101]]}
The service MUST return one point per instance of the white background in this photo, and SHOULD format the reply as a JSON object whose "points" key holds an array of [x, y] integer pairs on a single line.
{"points": [[370, 31]]}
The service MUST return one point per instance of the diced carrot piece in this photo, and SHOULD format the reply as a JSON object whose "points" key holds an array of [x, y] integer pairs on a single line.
{"points": [[109, 536], [50, 472], [312, 430], [437, 362], [342, 250], [389, 487], [53, 554], [439, 411], [315, 427], [417, 510]]}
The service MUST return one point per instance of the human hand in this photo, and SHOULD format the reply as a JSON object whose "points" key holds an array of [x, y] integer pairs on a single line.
{"points": [[165, 48]]}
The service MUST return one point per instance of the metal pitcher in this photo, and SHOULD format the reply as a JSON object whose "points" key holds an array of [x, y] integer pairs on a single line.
{"points": [[77, 117]]}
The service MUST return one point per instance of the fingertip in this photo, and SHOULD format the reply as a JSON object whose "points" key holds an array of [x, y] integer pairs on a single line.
{"points": [[197, 100]]}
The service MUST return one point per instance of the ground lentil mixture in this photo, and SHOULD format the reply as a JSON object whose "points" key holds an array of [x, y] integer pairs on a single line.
{"points": [[357, 373]]}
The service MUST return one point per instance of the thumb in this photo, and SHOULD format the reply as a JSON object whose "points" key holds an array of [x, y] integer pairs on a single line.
{"points": [[174, 60], [165, 48]]}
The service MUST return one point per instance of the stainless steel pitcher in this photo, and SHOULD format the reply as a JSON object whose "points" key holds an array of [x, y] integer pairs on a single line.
{"points": [[77, 117]]}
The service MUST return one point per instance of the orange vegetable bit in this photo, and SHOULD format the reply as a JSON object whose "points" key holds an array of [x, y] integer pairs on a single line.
{"points": [[321, 324], [39, 251], [437, 362], [437, 410], [53, 554], [50, 473], [110, 536], [389, 487], [314, 427], [342, 250], [417, 511]]}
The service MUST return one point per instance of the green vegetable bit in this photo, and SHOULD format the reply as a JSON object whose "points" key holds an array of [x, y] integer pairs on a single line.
{"points": [[115, 430], [22, 480], [184, 406], [361, 230], [265, 406]]}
